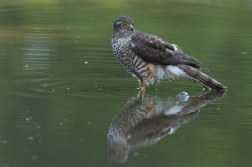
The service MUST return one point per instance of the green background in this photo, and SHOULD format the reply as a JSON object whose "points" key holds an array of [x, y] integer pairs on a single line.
{"points": [[61, 86]]}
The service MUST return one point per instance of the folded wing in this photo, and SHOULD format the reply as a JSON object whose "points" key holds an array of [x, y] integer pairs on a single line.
{"points": [[153, 49]]}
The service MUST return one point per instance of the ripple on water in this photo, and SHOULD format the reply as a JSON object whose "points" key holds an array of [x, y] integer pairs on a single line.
{"points": [[37, 50]]}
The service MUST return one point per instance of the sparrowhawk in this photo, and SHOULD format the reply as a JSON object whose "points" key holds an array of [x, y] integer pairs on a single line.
{"points": [[143, 121], [150, 58]]}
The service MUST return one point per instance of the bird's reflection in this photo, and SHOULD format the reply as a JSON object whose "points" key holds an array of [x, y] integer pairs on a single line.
{"points": [[145, 120]]}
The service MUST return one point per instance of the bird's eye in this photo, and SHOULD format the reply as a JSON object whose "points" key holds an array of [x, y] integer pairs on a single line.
{"points": [[123, 25]]}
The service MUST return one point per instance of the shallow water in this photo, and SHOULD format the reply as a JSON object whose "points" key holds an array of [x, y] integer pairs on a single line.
{"points": [[62, 88]]}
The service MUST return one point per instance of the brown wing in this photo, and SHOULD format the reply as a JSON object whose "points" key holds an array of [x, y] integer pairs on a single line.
{"points": [[155, 50]]}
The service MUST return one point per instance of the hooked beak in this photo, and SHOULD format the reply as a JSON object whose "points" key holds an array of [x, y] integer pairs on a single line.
{"points": [[131, 27]]}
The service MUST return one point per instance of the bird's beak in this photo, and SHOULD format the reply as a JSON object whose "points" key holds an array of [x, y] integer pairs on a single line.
{"points": [[131, 27]]}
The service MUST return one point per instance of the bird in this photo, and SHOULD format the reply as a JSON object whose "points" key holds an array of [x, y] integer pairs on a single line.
{"points": [[144, 121], [149, 58]]}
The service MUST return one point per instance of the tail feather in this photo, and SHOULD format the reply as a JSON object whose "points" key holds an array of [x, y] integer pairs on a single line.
{"points": [[203, 78]]}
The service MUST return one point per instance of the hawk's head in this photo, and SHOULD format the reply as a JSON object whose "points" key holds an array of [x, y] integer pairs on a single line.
{"points": [[123, 27]]}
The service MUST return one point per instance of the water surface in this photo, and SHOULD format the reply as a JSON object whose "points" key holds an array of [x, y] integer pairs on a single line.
{"points": [[62, 88]]}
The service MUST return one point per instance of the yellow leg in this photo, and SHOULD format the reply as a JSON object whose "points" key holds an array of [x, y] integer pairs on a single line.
{"points": [[141, 93], [140, 85], [142, 89]]}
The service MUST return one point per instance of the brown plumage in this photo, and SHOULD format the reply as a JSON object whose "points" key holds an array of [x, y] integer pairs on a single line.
{"points": [[150, 58]]}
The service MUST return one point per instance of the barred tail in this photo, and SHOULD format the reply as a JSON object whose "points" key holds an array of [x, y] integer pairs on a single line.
{"points": [[203, 78]]}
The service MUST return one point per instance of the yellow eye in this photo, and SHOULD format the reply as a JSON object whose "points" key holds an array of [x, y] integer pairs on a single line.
{"points": [[123, 25]]}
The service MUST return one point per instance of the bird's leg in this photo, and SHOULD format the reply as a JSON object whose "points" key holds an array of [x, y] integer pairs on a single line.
{"points": [[141, 93], [142, 88], [140, 85]]}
